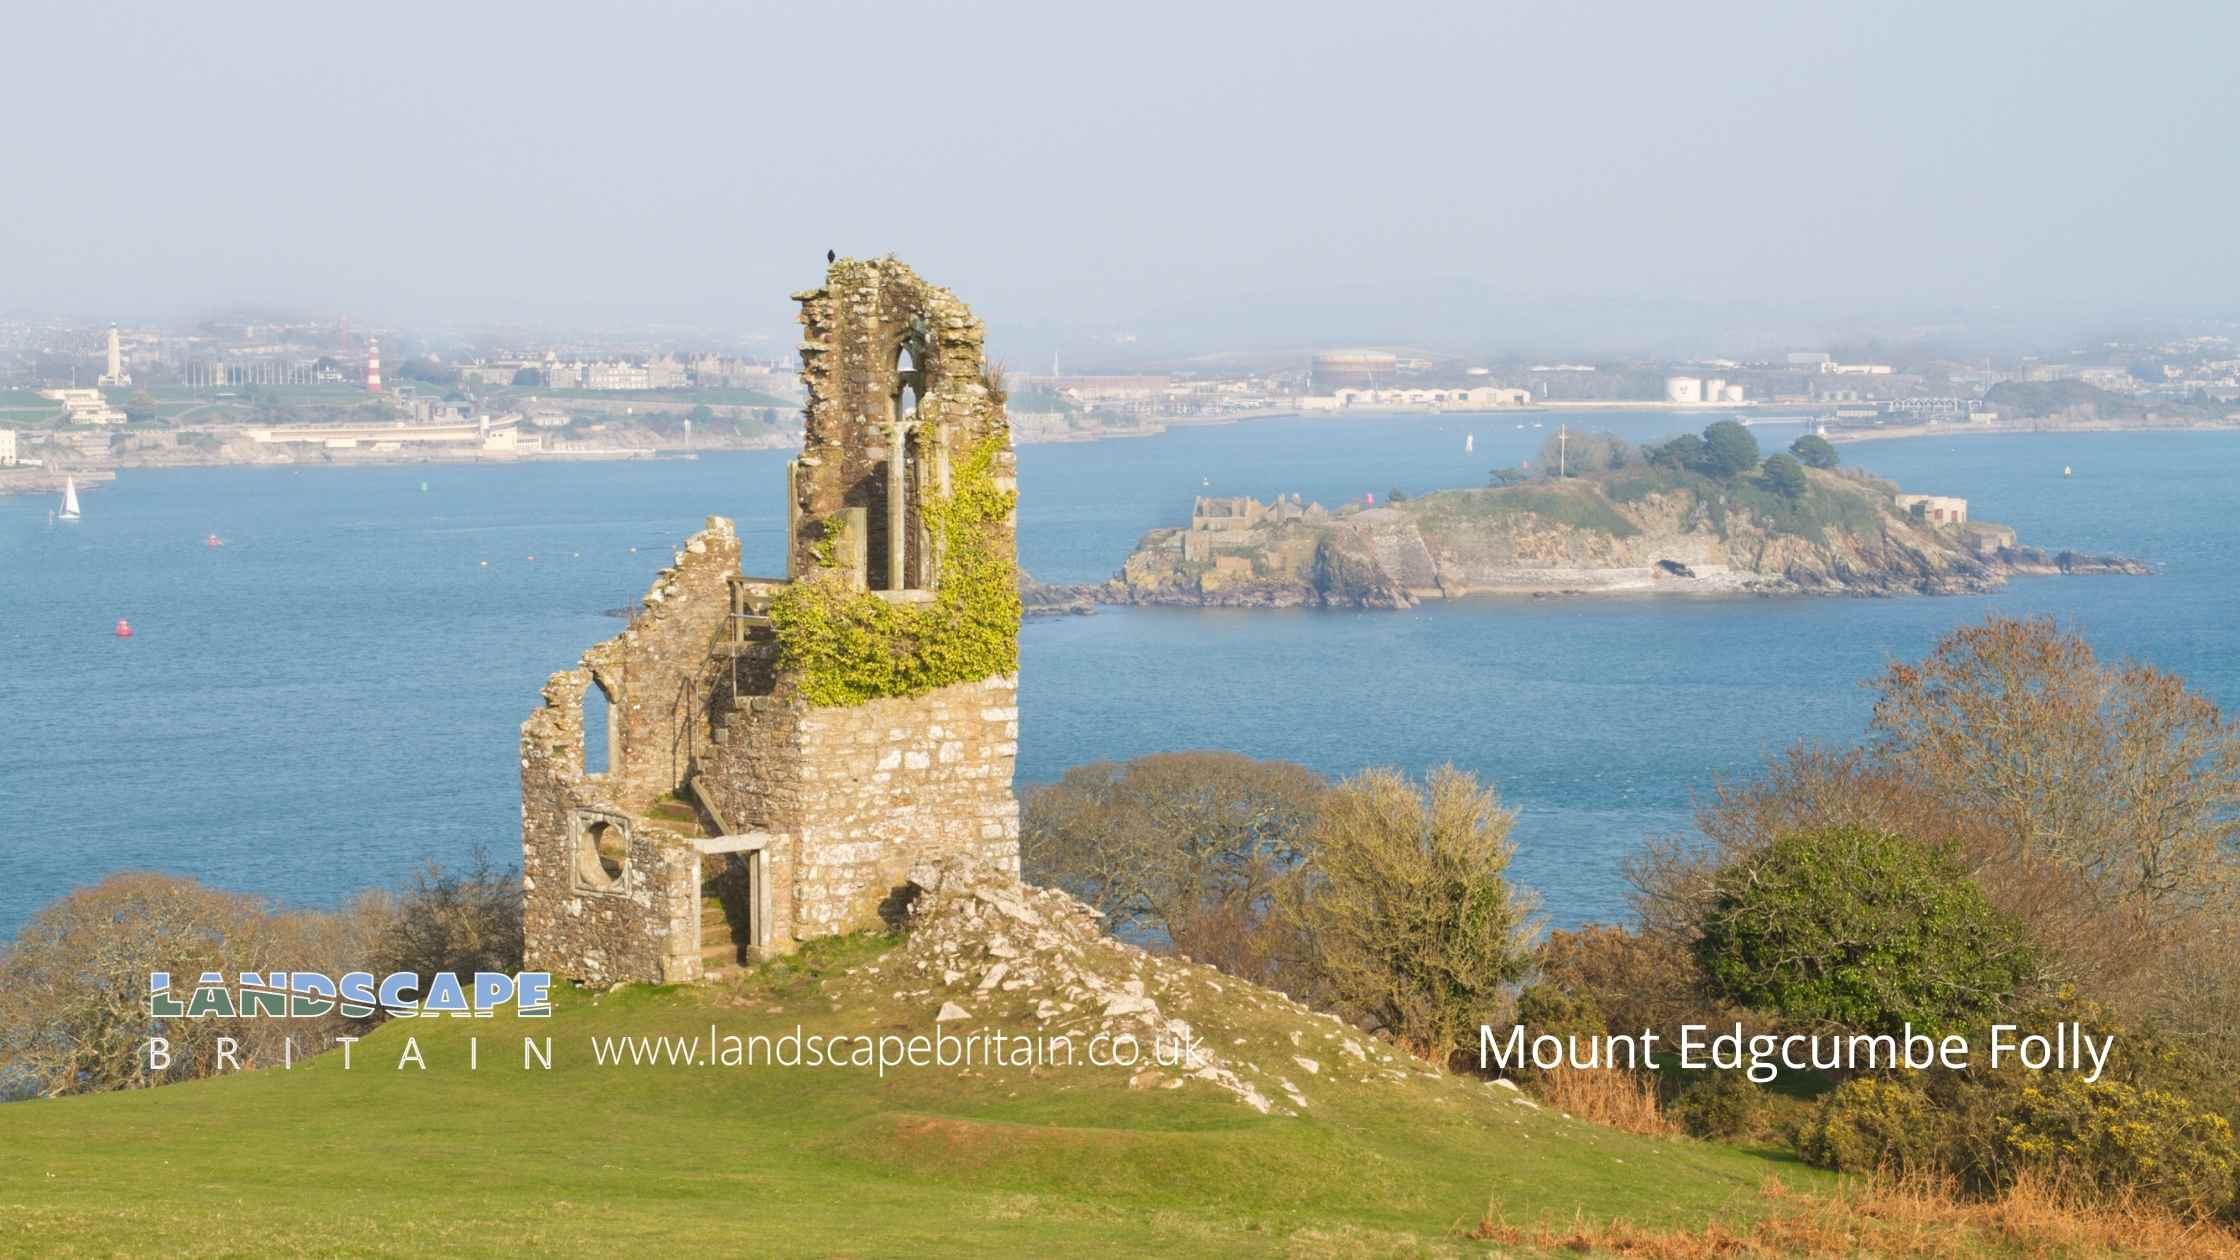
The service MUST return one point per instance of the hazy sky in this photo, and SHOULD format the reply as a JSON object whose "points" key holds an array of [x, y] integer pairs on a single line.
{"points": [[1228, 173]]}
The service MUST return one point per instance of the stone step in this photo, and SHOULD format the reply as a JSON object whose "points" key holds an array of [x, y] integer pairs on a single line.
{"points": [[726, 953], [714, 916]]}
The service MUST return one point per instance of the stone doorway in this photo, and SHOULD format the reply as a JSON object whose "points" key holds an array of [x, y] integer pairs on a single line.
{"points": [[734, 910]]}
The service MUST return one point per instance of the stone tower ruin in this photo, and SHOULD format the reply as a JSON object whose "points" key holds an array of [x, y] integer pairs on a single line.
{"points": [[781, 758]]}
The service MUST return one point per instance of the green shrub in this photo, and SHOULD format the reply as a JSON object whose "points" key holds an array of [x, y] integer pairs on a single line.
{"points": [[1632, 979], [1405, 903], [1860, 929], [2105, 1138], [1719, 1105], [1868, 1124], [1545, 1009], [2121, 1140]]}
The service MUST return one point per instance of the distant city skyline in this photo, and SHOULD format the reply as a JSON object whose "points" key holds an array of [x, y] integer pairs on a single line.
{"points": [[1646, 177]]}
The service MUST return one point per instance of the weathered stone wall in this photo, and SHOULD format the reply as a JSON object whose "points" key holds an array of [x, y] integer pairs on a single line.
{"points": [[642, 923], [579, 922], [659, 673], [871, 324], [866, 794]]}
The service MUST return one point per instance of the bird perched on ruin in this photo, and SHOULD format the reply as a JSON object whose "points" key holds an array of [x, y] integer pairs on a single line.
{"points": [[830, 258]]}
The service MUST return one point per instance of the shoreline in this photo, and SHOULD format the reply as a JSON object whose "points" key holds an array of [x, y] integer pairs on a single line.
{"points": [[1894, 432], [22, 480], [1613, 585], [1839, 436]]}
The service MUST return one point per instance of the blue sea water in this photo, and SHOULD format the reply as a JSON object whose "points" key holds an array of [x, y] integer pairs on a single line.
{"points": [[335, 695]]}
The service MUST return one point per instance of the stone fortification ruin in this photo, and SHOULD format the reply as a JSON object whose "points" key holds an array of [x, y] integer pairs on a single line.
{"points": [[774, 759]]}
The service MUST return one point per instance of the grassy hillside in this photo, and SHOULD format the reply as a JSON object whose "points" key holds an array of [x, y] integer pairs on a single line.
{"points": [[591, 1160], [1577, 503]]}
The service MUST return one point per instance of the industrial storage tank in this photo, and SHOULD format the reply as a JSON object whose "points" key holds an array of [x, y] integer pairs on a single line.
{"points": [[1354, 369], [1715, 389], [1733, 394], [1683, 389]]}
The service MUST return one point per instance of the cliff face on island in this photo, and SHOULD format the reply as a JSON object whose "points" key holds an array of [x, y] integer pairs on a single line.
{"points": [[1650, 529]]}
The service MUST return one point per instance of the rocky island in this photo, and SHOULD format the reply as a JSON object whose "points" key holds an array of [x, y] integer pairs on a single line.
{"points": [[1646, 528]]}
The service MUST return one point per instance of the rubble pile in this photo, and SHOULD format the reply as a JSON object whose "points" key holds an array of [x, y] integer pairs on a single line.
{"points": [[986, 950]]}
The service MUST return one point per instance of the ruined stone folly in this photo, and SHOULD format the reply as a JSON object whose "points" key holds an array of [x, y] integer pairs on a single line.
{"points": [[782, 758]]}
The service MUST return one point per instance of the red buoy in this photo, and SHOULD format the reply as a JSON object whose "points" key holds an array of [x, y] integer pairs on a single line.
{"points": [[124, 628]]}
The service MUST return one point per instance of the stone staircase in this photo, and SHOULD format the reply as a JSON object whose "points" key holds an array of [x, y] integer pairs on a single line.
{"points": [[748, 647], [722, 941], [725, 898]]}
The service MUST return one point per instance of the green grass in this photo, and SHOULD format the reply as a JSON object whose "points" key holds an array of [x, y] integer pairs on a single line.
{"points": [[1832, 505], [616, 1161], [1579, 504], [1636, 484]]}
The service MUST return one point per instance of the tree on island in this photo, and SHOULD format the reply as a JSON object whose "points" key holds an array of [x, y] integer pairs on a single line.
{"points": [[1729, 449], [1685, 451], [1395, 495], [1724, 450], [1814, 450], [1785, 476], [529, 377], [1585, 454], [1508, 476]]}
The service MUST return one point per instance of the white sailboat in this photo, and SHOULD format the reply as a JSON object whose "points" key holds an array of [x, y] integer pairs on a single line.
{"points": [[69, 499], [1469, 443]]}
